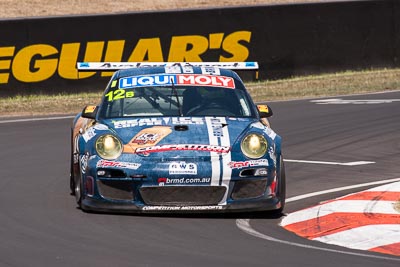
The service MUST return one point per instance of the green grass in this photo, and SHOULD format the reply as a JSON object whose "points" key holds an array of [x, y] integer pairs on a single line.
{"points": [[344, 83], [33, 105]]}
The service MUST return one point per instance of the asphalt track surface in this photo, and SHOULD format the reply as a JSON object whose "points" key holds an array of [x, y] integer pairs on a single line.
{"points": [[40, 224]]}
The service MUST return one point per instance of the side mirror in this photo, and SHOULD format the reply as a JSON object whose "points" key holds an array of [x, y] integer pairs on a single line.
{"points": [[264, 110], [89, 112]]}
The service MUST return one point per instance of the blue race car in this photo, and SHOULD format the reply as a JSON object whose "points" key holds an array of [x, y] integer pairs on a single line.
{"points": [[178, 138]]}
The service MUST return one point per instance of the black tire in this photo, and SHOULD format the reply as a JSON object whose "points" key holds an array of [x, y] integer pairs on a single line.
{"points": [[78, 190], [282, 186], [72, 184], [71, 170]]}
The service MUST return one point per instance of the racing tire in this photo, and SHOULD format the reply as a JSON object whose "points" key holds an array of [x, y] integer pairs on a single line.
{"points": [[72, 179], [282, 186], [78, 190], [71, 170]]}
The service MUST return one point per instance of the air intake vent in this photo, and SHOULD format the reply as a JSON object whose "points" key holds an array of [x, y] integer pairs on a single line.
{"points": [[249, 189], [116, 189], [182, 195], [181, 127], [110, 173]]}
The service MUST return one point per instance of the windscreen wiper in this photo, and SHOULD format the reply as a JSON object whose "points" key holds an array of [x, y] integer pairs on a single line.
{"points": [[177, 98]]}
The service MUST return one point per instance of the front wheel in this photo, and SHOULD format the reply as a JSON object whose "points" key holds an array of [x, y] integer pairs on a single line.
{"points": [[72, 176], [281, 193], [78, 190], [71, 167]]}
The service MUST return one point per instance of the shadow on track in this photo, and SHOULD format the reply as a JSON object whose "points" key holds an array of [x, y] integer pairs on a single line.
{"points": [[187, 215]]}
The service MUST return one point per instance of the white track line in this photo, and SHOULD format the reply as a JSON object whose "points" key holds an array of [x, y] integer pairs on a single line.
{"points": [[353, 163], [37, 119], [324, 97], [291, 199], [339, 101]]}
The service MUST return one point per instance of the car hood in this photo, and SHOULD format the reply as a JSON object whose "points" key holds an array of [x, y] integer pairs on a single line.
{"points": [[178, 136]]}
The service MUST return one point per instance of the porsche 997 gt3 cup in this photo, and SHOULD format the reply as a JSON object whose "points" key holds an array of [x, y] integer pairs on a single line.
{"points": [[176, 138]]}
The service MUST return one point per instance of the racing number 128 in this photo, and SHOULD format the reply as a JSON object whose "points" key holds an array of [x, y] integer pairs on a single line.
{"points": [[118, 94]]}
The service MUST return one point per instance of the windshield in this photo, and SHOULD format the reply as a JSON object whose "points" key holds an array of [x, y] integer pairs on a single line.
{"points": [[174, 100]]}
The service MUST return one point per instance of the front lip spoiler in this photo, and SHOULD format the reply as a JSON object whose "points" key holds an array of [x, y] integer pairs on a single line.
{"points": [[95, 205]]}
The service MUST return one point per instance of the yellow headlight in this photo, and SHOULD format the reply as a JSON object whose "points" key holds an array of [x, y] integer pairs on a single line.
{"points": [[108, 147], [254, 146]]}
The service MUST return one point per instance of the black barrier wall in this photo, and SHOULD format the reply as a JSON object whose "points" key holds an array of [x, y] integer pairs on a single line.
{"points": [[40, 54]]}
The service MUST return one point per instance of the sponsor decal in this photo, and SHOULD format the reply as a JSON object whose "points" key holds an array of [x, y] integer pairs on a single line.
{"points": [[113, 66], [162, 181], [185, 120], [261, 172], [169, 181], [147, 137], [50, 61], [177, 79], [173, 69], [117, 164], [217, 127], [100, 127], [118, 94], [182, 168], [84, 163], [185, 147], [238, 119], [158, 122], [268, 131], [248, 163], [219, 169], [210, 70], [178, 208], [258, 125], [89, 134], [272, 153], [76, 158], [178, 68], [138, 122]]}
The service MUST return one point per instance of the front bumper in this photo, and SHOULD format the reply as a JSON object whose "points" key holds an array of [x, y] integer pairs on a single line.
{"points": [[99, 205], [127, 192]]}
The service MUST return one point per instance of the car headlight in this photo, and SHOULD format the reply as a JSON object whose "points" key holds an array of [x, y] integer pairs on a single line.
{"points": [[108, 147], [254, 146]]}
